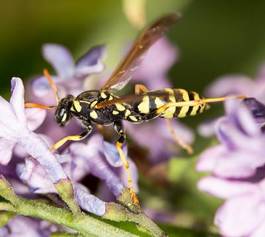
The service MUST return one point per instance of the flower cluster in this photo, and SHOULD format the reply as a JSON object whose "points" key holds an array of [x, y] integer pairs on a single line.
{"points": [[26, 135], [236, 165]]}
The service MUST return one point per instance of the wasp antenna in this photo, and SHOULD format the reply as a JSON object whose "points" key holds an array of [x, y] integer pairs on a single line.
{"points": [[39, 106], [220, 99], [52, 84]]}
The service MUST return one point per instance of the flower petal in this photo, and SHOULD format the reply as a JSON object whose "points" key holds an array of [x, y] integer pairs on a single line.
{"points": [[256, 108], [225, 188], [112, 155], [17, 99], [88, 201], [231, 84], [90, 62], [6, 149], [157, 61], [60, 58], [259, 232], [41, 87], [241, 215], [209, 158], [92, 153], [35, 117], [35, 177]]}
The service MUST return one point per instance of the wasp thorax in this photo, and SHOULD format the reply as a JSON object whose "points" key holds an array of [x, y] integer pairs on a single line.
{"points": [[63, 113]]}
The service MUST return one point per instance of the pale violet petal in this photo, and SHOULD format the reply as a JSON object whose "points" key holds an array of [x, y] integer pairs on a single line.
{"points": [[112, 155], [17, 99], [60, 58], [225, 188], [91, 62], [231, 84], [36, 147], [41, 87], [259, 232], [88, 201], [241, 215], [35, 177], [35, 117], [6, 150]]}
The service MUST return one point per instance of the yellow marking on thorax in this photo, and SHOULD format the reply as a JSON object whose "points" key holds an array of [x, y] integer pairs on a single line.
{"points": [[169, 113], [110, 97], [127, 113], [144, 106], [197, 106], [133, 118], [120, 107], [77, 105], [93, 104], [159, 102], [93, 114], [115, 112], [103, 95], [184, 110]]}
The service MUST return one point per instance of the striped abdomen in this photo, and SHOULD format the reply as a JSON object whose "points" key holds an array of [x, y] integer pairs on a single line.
{"points": [[169, 103]]}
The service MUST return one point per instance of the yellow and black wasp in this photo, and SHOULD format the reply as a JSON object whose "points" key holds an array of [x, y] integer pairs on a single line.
{"points": [[103, 107]]}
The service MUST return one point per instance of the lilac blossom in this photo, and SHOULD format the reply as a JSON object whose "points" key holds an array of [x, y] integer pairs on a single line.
{"points": [[239, 84], [237, 175], [152, 72], [70, 77], [102, 160], [19, 226], [234, 84], [14, 130]]}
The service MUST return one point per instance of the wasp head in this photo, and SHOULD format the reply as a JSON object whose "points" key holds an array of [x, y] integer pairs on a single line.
{"points": [[63, 113]]}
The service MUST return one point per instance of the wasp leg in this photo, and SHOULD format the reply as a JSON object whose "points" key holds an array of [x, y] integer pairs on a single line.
{"points": [[119, 143], [177, 139], [140, 89], [79, 137]]}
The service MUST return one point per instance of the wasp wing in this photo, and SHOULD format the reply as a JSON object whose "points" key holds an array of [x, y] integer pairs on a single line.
{"points": [[123, 73]]}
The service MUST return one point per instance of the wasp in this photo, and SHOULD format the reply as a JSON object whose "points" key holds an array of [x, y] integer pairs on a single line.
{"points": [[104, 107]]}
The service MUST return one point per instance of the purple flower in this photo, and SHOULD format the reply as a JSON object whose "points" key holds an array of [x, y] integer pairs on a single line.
{"points": [[14, 129], [239, 84], [19, 226], [70, 77], [152, 72], [241, 150], [101, 159], [243, 213], [236, 166], [234, 85]]}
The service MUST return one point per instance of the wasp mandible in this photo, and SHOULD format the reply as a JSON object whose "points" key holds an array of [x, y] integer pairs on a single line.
{"points": [[103, 107]]}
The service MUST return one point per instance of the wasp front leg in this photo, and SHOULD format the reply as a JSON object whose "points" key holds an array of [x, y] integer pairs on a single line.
{"points": [[79, 137], [119, 144]]}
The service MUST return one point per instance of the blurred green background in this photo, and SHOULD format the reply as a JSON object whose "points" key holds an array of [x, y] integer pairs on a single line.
{"points": [[214, 38]]}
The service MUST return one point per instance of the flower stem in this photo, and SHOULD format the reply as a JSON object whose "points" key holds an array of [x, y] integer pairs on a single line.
{"points": [[85, 225]]}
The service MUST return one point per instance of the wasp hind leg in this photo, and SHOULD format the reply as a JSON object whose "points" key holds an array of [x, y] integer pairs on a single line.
{"points": [[119, 143], [178, 140], [172, 131], [79, 137]]}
